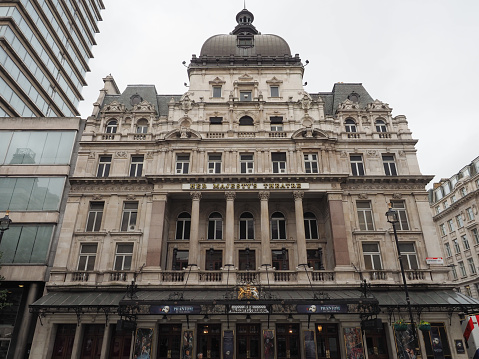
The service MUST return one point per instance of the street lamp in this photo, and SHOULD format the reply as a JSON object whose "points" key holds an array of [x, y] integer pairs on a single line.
{"points": [[393, 218], [4, 224]]}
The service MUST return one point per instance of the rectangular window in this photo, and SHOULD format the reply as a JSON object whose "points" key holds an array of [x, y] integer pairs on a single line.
{"points": [[459, 220], [442, 228], [408, 255], [246, 226], [365, 216], [472, 266], [463, 191], [104, 165], [214, 163], [457, 249], [182, 163], [400, 208], [217, 91], [274, 91], [468, 290], [465, 242], [462, 268], [136, 166], [247, 259], [389, 165], [180, 260], [280, 259], [450, 224], [279, 162], [470, 214], [372, 256], [86, 262], [123, 256], [214, 259], [216, 120], [475, 235], [448, 249], [454, 272], [311, 163], [245, 96], [276, 123], [130, 213], [26, 244], [95, 215], [315, 258], [247, 163], [357, 166]]}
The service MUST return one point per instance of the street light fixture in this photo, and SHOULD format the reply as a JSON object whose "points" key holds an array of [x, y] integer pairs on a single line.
{"points": [[4, 224], [393, 218]]}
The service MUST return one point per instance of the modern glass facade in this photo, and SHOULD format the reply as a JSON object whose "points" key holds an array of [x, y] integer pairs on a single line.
{"points": [[44, 53]]}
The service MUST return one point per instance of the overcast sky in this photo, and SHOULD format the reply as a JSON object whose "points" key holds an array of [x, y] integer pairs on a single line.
{"points": [[419, 56]]}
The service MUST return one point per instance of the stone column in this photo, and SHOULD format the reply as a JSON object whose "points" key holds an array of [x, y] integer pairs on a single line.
{"points": [[229, 227], [157, 225], [265, 236], [300, 235], [105, 345], [338, 230], [76, 347], [194, 234]]}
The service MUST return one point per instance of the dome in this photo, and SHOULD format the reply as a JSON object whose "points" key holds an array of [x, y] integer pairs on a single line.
{"points": [[264, 45]]}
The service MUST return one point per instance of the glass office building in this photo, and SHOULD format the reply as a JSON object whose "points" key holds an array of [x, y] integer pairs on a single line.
{"points": [[44, 51]]}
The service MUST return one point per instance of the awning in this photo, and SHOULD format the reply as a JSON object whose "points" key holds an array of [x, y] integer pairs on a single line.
{"points": [[61, 301]]}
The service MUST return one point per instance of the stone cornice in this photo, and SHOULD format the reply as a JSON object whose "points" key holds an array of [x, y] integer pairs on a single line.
{"points": [[458, 204]]}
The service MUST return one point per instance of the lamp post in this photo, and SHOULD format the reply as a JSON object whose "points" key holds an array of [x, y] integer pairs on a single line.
{"points": [[393, 218], [4, 224]]}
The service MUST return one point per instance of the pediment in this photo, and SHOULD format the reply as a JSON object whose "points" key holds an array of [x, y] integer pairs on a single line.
{"points": [[245, 77], [143, 106], [274, 81], [217, 81], [182, 133], [114, 106], [348, 105], [378, 106], [307, 132]]}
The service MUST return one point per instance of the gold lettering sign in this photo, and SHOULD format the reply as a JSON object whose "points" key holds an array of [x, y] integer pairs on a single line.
{"points": [[244, 186]]}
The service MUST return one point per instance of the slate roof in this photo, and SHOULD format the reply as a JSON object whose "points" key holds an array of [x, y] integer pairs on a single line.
{"points": [[340, 93], [264, 45]]}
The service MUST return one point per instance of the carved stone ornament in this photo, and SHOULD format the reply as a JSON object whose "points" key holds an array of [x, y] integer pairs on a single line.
{"points": [[263, 195], [305, 102], [121, 154], [344, 154], [363, 196], [402, 153], [143, 106], [348, 105], [372, 153], [97, 197], [217, 81], [149, 155], [184, 132], [186, 103], [230, 195], [115, 106], [91, 155], [245, 77], [397, 195], [298, 195], [378, 106], [195, 196], [130, 197]]}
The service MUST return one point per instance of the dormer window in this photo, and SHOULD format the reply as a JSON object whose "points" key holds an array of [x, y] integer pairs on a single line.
{"points": [[112, 126], [245, 41], [381, 126]]}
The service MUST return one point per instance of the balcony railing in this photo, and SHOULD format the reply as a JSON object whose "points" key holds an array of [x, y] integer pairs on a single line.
{"points": [[285, 276], [173, 276], [247, 277], [211, 276], [377, 275], [322, 276], [80, 276]]}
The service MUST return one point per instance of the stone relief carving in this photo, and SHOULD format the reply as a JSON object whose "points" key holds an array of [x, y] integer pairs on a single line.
{"points": [[397, 196], [343, 154], [402, 154], [230, 195], [97, 197], [298, 195], [195, 196], [121, 154], [372, 153], [91, 155], [378, 106], [130, 197], [348, 105], [115, 106], [263, 195], [143, 106], [363, 196]]}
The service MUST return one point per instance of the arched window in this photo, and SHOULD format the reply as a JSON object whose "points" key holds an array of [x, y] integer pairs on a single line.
{"points": [[381, 126], [278, 226], [183, 225], [215, 226], [112, 126], [350, 125], [310, 226], [142, 126], [246, 121], [246, 226]]}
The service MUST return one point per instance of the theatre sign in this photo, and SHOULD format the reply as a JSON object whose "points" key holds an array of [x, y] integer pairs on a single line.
{"points": [[243, 186]]}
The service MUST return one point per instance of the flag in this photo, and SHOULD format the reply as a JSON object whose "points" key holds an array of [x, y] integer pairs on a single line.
{"points": [[468, 330]]}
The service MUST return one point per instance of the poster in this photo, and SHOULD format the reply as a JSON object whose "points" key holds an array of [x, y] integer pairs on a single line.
{"points": [[354, 343], [143, 341], [228, 344], [309, 345], [187, 345], [436, 343], [405, 343], [459, 346], [268, 338]]}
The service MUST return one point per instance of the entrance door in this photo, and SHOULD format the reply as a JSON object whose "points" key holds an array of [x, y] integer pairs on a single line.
{"points": [[92, 340], [62, 349], [327, 337], [377, 345], [120, 344], [248, 341], [209, 340], [169, 341], [288, 341]]}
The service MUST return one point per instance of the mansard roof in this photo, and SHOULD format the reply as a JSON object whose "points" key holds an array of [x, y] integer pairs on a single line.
{"points": [[340, 93]]}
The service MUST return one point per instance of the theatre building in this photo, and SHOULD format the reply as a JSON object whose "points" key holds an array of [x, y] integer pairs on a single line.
{"points": [[246, 218]]}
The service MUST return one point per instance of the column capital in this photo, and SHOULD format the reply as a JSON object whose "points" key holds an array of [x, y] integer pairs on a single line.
{"points": [[195, 196], [263, 195], [298, 195], [230, 195]]}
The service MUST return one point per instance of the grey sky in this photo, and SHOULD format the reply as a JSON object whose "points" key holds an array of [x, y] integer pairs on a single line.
{"points": [[419, 56]]}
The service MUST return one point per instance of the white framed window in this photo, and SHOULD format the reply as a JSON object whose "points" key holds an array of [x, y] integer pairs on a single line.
{"points": [[350, 125], [95, 215], [447, 246], [310, 226], [214, 163], [381, 126], [408, 255], [136, 166], [462, 269], [142, 126], [465, 242], [123, 256], [311, 163], [278, 226], [111, 126], [470, 214], [276, 123], [215, 226], [475, 235], [86, 260], [129, 216], [246, 226], [450, 224], [245, 96], [246, 163], [365, 216], [274, 91], [279, 162], [389, 165], [183, 226], [357, 165], [372, 256], [182, 163], [457, 249], [400, 208], [104, 165], [454, 272], [463, 191], [459, 220], [217, 91], [472, 266], [442, 228]]}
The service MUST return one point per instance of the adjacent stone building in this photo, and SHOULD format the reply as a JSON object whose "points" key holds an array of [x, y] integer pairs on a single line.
{"points": [[246, 218]]}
